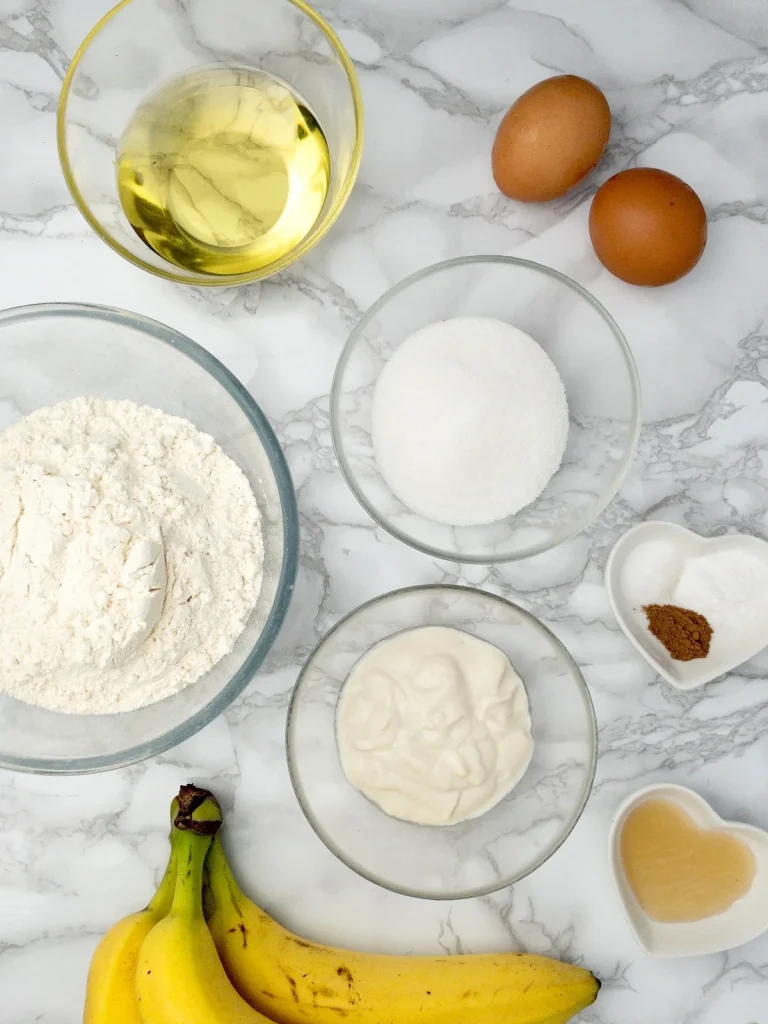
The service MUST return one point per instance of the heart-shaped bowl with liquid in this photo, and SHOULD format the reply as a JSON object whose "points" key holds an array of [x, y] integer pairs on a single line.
{"points": [[699, 839]]}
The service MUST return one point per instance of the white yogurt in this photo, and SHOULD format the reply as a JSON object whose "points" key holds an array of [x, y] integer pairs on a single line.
{"points": [[433, 725]]}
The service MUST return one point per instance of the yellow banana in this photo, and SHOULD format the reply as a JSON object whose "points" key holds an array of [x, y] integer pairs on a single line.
{"points": [[292, 981], [110, 996], [179, 977]]}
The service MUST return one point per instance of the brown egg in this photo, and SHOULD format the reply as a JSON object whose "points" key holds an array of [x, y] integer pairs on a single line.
{"points": [[550, 139], [647, 226]]}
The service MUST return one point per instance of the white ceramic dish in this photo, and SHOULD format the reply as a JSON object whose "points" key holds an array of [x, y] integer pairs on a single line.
{"points": [[726, 652], [743, 921]]}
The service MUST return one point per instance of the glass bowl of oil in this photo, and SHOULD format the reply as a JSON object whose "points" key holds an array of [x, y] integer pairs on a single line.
{"points": [[211, 143]]}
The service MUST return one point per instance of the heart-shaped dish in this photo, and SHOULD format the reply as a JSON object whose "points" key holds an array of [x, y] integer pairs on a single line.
{"points": [[743, 921], [730, 647]]}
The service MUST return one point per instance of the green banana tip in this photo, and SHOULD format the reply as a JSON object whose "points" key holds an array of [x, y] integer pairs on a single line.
{"points": [[196, 810]]}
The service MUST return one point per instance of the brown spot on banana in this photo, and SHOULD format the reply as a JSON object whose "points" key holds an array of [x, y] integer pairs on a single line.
{"points": [[294, 989]]}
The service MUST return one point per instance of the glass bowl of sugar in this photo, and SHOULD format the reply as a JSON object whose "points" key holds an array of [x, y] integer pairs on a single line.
{"points": [[485, 409]]}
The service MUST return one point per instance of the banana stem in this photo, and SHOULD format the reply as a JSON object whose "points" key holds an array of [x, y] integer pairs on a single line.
{"points": [[221, 879], [160, 903], [198, 810], [191, 849], [194, 826], [221, 889]]}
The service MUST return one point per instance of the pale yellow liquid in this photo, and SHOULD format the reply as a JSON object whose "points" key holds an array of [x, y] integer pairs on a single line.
{"points": [[678, 871], [223, 170]]}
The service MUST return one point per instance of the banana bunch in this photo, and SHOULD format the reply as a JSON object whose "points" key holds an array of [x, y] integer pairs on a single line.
{"points": [[202, 953]]}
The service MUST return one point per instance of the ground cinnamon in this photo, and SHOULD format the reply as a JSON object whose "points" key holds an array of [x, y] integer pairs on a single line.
{"points": [[685, 634]]}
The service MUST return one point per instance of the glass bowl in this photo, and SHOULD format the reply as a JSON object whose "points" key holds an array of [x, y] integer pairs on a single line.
{"points": [[140, 44], [591, 356], [53, 353], [477, 856]]}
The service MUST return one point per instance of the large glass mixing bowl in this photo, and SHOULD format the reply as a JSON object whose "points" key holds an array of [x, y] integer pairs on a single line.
{"points": [[591, 356], [141, 44], [53, 353]]}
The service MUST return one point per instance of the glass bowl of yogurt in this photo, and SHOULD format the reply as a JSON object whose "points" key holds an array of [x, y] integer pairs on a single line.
{"points": [[441, 742], [485, 409]]}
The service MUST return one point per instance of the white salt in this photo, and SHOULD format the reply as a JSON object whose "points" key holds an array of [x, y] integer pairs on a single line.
{"points": [[728, 587], [469, 421]]}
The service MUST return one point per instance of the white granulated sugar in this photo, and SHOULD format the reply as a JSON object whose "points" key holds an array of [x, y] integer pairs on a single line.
{"points": [[469, 421], [130, 556]]}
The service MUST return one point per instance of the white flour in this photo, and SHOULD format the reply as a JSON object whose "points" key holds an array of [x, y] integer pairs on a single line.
{"points": [[130, 556]]}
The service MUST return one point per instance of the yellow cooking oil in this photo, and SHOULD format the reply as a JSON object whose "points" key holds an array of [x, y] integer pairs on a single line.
{"points": [[223, 170]]}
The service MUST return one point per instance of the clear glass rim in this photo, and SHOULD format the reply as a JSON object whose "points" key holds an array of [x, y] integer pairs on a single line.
{"points": [[290, 523], [304, 803], [208, 280], [567, 533]]}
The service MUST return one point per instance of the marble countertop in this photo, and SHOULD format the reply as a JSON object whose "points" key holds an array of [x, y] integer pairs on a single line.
{"points": [[687, 81]]}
